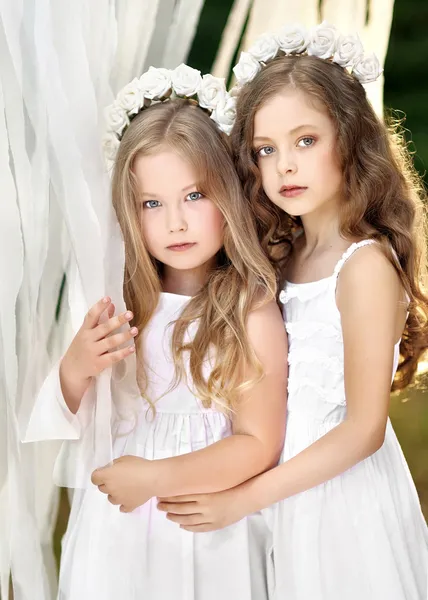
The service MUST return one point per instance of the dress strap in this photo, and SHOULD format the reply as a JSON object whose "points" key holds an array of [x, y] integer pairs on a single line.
{"points": [[348, 253]]}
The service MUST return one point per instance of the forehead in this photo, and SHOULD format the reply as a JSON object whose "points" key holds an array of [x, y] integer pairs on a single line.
{"points": [[288, 110], [164, 170]]}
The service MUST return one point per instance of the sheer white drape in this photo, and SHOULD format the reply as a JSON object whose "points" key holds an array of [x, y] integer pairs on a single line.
{"points": [[60, 64], [372, 20]]}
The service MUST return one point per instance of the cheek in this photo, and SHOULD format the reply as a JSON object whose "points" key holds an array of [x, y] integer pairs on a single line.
{"points": [[149, 230], [213, 222], [267, 172]]}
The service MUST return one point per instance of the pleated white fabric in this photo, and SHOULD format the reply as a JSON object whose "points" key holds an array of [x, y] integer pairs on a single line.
{"points": [[59, 66], [110, 555], [361, 535]]}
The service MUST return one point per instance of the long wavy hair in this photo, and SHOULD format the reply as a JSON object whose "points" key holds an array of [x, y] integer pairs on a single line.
{"points": [[384, 197], [241, 279]]}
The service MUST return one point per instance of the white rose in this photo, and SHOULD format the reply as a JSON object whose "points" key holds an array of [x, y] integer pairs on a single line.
{"points": [[212, 90], [186, 81], [322, 40], [368, 69], [116, 118], [349, 50], [130, 98], [224, 114], [247, 68], [155, 83], [111, 145], [265, 48], [292, 39], [235, 91]]}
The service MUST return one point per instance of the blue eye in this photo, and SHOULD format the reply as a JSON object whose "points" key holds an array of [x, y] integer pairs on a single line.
{"points": [[265, 151], [306, 142], [151, 204], [193, 196]]}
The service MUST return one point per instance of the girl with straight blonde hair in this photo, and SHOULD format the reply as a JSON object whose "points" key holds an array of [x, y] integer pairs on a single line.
{"points": [[211, 368]]}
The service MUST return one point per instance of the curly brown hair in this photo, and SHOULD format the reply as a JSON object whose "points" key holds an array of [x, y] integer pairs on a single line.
{"points": [[385, 197]]}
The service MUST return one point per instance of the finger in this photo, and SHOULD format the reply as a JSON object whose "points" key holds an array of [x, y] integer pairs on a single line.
{"points": [[97, 477], [114, 341], [195, 519], [113, 500], [198, 528], [110, 310], [186, 508], [181, 499], [95, 312], [110, 358], [104, 329]]}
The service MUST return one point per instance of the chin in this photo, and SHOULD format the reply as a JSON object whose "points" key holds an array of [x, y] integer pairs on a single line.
{"points": [[184, 265]]}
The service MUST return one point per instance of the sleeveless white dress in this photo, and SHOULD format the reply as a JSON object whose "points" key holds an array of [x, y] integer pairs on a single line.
{"points": [[108, 555], [361, 535]]}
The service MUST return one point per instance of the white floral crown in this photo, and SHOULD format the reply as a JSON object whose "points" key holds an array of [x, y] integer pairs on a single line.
{"points": [[323, 41], [158, 85]]}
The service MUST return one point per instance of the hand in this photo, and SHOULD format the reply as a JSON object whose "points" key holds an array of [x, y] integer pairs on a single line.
{"points": [[93, 349], [205, 512], [128, 482]]}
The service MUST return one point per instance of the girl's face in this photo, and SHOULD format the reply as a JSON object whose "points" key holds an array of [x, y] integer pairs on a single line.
{"points": [[295, 145], [182, 228]]}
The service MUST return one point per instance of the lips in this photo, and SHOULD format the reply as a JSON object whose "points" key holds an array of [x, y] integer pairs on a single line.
{"points": [[290, 191], [181, 247]]}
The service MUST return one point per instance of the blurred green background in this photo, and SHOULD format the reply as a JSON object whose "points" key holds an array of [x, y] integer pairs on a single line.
{"points": [[406, 90]]}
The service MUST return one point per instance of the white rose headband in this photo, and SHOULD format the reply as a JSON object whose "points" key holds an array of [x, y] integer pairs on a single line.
{"points": [[323, 41], [158, 85]]}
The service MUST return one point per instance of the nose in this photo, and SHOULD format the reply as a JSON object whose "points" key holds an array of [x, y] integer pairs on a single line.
{"points": [[175, 220], [286, 164]]}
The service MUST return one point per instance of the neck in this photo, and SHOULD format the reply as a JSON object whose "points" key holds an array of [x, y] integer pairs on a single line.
{"points": [[185, 282], [322, 227]]}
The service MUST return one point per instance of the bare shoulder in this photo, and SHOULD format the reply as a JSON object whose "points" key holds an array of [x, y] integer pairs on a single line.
{"points": [[368, 269], [266, 332], [368, 275]]}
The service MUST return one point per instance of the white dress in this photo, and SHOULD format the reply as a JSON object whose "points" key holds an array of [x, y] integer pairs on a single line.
{"points": [[108, 555], [361, 535]]}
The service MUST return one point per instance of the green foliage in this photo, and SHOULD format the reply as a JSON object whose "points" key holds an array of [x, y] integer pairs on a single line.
{"points": [[406, 81]]}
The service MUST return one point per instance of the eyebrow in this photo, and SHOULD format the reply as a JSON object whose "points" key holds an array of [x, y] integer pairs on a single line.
{"points": [[192, 185], [293, 131]]}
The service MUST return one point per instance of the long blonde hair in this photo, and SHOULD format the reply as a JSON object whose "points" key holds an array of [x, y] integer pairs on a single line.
{"points": [[242, 278], [385, 199]]}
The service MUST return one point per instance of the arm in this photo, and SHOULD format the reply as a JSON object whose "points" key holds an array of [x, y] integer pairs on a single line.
{"points": [[258, 430], [369, 299], [258, 425], [63, 406]]}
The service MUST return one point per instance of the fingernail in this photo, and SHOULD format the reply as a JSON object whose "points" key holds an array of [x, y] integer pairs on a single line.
{"points": [[134, 331], [128, 315], [131, 349], [106, 300]]}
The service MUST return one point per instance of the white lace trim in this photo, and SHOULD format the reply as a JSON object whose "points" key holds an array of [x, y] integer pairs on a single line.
{"points": [[329, 396], [302, 330], [303, 291], [313, 356], [307, 291], [349, 252]]}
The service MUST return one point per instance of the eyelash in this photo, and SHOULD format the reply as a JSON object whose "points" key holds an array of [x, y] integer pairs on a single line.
{"points": [[199, 193], [306, 137], [146, 204]]}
